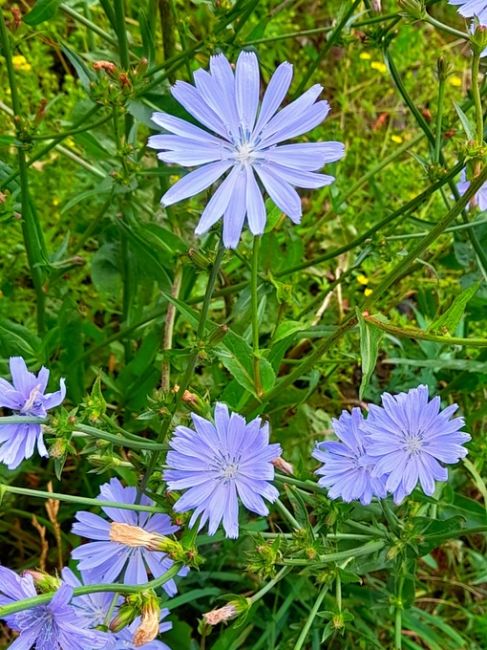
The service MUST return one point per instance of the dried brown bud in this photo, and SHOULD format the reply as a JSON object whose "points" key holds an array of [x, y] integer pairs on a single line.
{"points": [[3, 197], [283, 466], [149, 624], [107, 66], [220, 615], [136, 536], [124, 80]]}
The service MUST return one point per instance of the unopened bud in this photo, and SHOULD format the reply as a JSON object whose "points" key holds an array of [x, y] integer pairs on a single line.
{"points": [[43, 581], [199, 259], [443, 68], [126, 615], [283, 465], [221, 615], [149, 622], [478, 40], [414, 9], [59, 448]]}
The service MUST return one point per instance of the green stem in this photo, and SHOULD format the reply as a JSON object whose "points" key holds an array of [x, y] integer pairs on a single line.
{"points": [[42, 599], [366, 549], [69, 498], [166, 423], [398, 615], [304, 485], [439, 119], [79, 18], [338, 587], [267, 587], [255, 314], [412, 333], [479, 115], [312, 615], [287, 514], [446, 28], [33, 239], [119, 440], [123, 48]]}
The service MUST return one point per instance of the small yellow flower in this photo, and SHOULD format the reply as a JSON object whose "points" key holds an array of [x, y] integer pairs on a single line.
{"points": [[20, 63], [365, 56], [455, 80], [397, 139], [362, 279], [55, 201], [379, 66], [368, 292]]}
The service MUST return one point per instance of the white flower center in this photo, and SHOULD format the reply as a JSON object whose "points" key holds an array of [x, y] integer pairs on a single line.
{"points": [[34, 400], [229, 471], [244, 153], [413, 443]]}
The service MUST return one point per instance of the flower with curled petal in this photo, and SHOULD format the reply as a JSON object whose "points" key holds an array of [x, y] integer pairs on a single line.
{"points": [[243, 144]]}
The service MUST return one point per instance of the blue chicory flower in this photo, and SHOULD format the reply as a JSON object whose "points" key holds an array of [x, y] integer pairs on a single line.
{"points": [[472, 9], [244, 141], [480, 198], [91, 608], [344, 471], [53, 626], [125, 547], [217, 462], [26, 397], [409, 438]]}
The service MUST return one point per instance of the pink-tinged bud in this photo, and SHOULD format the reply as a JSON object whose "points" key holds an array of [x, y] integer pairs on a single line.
{"points": [[283, 466], [43, 581], [149, 623], [376, 5], [107, 66], [220, 615], [136, 536]]}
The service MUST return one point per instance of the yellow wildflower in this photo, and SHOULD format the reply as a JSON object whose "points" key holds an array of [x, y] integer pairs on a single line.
{"points": [[365, 56], [20, 63], [397, 139], [455, 80], [362, 279], [379, 66], [368, 292]]}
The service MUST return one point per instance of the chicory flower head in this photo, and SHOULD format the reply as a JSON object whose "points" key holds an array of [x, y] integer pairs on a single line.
{"points": [[480, 198], [244, 143], [25, 397], [217, 463], [345, 472], [92, 608], [52, 626], [126, 546], [409, 438]]}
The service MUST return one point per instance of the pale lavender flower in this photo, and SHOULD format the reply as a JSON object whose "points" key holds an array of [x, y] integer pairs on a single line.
{"points": [[344, 471], [91, 608], [244, 141], [124, 640], [409, 438], [480, 198], [217, 463], [53, 626], [26, 397], [126, 543], [472, 9]]}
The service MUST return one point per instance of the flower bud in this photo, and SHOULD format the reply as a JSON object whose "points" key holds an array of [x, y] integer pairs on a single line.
{"points": [[126, 615], [43, 581], [107, 66], [283, 465], [478, 40], [221, 615], [443, 68], [217, 335], [414, 9], [199, 259]]}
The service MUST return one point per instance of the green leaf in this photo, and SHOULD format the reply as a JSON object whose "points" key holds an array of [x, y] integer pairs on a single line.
{"points": [[105, 271], [85, 75], [468, 365], [467, 126], [287, 328], [370, 338], [448, 321], [17, 340], [41, 11]]}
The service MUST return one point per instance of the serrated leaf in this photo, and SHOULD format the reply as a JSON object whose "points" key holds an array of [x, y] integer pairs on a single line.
{"points": [[41, 11], [370, 338], [448, 321]]}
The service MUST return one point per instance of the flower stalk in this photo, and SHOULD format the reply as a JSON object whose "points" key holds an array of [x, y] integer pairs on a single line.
{"points": [[255, 314]]}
